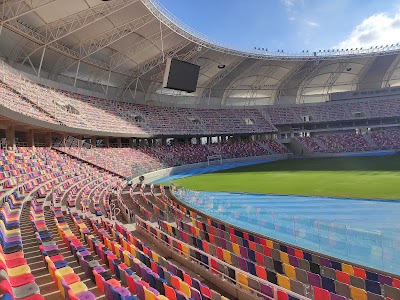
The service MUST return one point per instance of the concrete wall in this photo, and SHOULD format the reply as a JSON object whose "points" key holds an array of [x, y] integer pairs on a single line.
{"points": [[153, 176]]}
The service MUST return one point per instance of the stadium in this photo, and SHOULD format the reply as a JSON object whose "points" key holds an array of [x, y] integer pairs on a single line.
{"points": [[142, 160]]}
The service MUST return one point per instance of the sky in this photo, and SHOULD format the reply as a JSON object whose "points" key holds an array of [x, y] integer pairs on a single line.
{"points": [[292, 25]]}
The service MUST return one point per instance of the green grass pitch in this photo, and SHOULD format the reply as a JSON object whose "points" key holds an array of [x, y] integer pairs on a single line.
{"points": [[353, 177]]}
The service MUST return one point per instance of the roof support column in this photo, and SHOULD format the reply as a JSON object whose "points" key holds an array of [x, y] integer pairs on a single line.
{"points": [[10, 136], [77, 72], [30, 138], [41, 61]]}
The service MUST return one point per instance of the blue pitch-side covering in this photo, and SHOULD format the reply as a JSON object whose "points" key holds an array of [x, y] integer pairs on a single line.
{"points": [[361, 231]]}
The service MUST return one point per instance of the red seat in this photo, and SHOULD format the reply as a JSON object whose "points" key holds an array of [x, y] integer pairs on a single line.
{"points": [[321, 294], [21, 280], [16, 262]]}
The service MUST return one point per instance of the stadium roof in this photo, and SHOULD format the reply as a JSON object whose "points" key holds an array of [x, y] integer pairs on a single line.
{"points": [[119, 47]]}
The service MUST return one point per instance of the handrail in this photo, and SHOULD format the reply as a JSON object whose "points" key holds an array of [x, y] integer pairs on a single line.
{"points": [[140, 223]]}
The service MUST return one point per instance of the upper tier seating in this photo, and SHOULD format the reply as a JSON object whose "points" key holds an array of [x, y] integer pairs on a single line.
{"points": [[97, 114], [236, 149], [352, 142], [136, 161]]}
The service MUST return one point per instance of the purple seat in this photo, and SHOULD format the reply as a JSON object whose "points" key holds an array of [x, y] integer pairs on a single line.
{"points": [[325, 262], [242, 264], [337, 297], [123, 291], [195, 294], [50, 248], [243, 252], [290, 250], [267, 290], [293, 261], [314, 279], [86, 296], [139, 290], [383, 279], [223, 243], [99, 269]]}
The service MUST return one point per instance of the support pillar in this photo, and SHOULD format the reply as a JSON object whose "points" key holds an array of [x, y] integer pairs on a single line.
{"points": [[164, 141], [10, 136], [30, 138], [47, 139], [130, 142], [119, 142], [107, 142], [93, 141]]}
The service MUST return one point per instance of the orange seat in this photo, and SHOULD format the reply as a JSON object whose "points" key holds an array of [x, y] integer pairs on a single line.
{"points": [[342, 277]]}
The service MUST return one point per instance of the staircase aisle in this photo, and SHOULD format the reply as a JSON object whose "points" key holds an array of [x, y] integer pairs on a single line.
{"points": [[34, 258]]}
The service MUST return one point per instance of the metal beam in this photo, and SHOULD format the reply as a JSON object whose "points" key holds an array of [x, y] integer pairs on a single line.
{"points": [[193, 54], [105, 39], [241, 77], [217, 78], [307, 78], [59, 29], [389, 74], [11, 10], [281, 83], [255, 86], [145, 67], [50, 36], [115, 61]]}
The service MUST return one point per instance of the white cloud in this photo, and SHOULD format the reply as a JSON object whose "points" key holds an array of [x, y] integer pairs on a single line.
{"points": [[288, 3], [376, 30], [292, 18], [312, 24]]}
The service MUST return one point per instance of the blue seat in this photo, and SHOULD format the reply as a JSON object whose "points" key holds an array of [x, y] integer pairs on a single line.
{"points": [[372, 276], [252, 255], [336, 265], [373, 286], [328, 284]]}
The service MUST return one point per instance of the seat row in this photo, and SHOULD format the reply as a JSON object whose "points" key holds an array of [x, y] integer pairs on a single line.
{"points": [[64, 277], [16, 278], [311, 269], [160, 274], [215, 265]]}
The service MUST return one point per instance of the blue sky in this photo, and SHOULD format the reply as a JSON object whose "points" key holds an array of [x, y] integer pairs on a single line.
{"points": [[293, 25]]}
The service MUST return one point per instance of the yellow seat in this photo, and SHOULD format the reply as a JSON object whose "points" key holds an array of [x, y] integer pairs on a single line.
{"points": [[284, 257], [154, 256], [162, 297], [357, 294], [236, 249], [227, 256], [347, 269], [269, 244], [185, 288], [290, 271], [68, 232], [24, 269], [133, 250], [283, 281], [60, 273], [78, 287], [185, 250], [148, 295], [243, 281], [127, 261]]}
